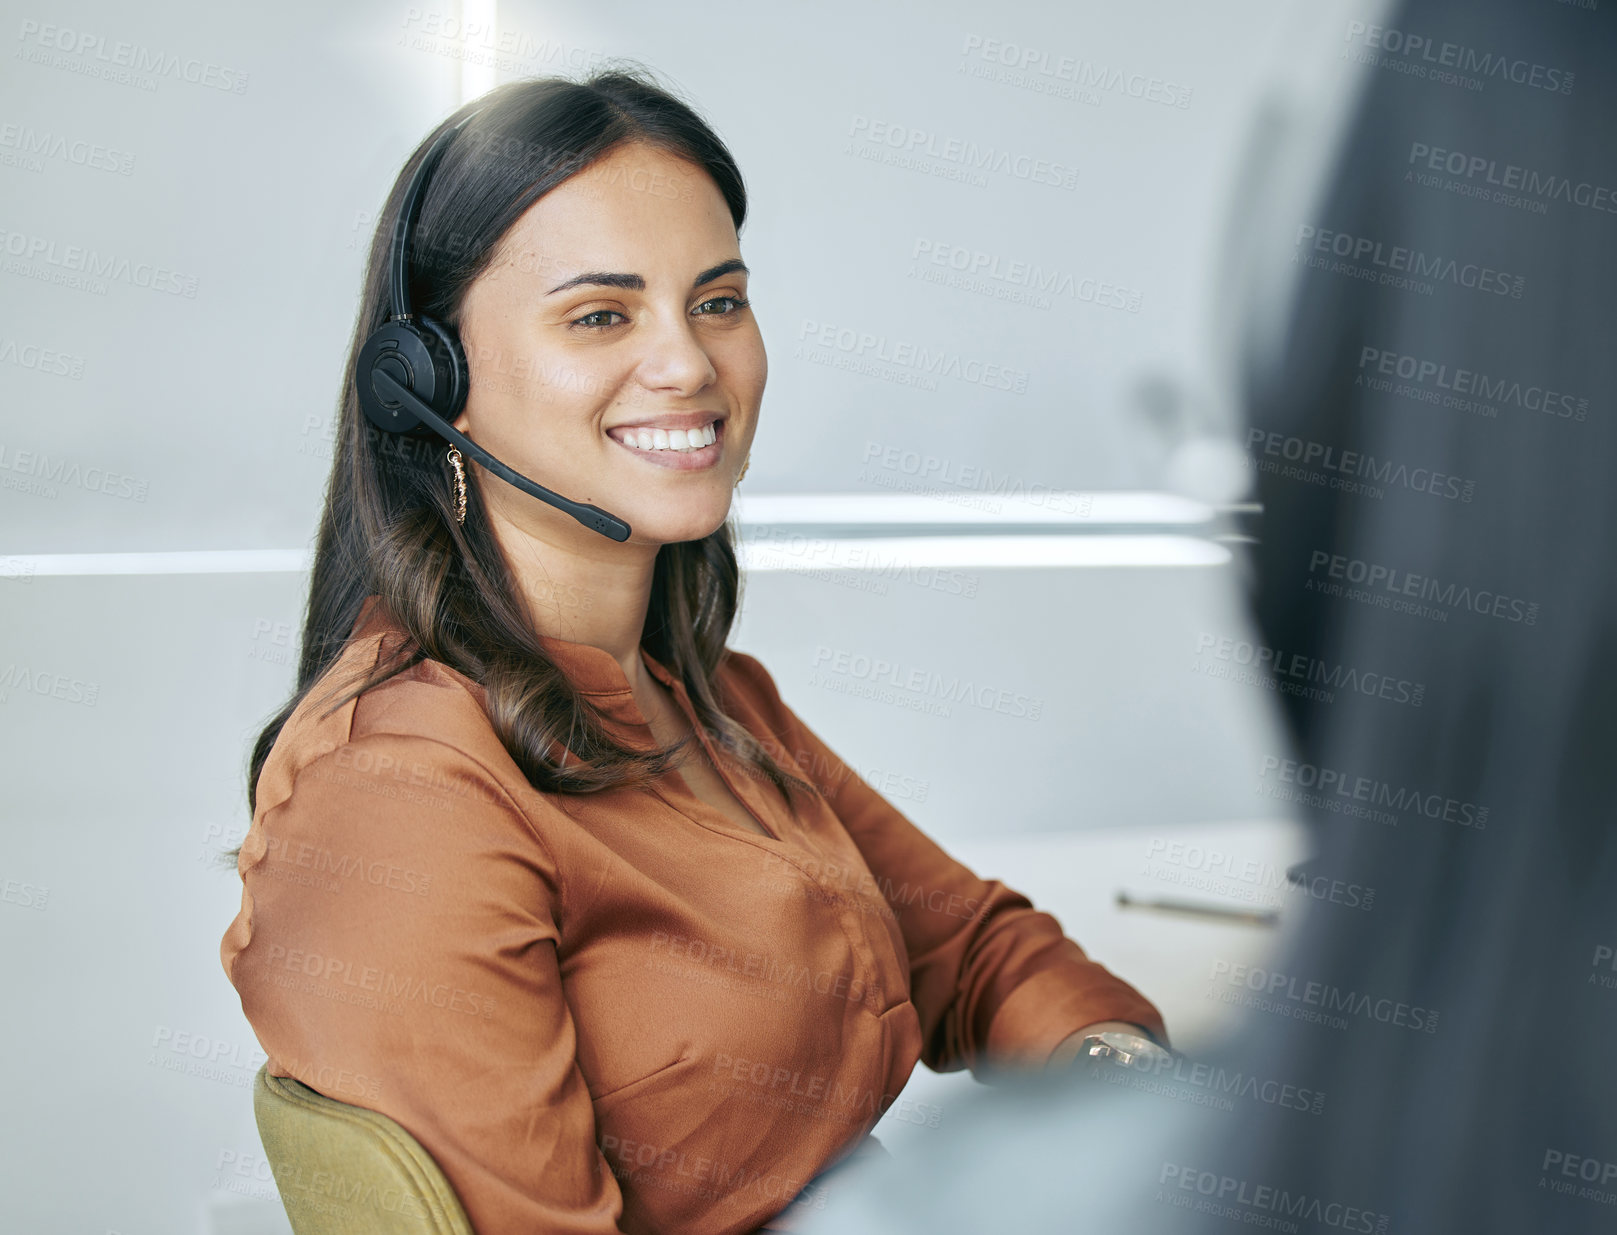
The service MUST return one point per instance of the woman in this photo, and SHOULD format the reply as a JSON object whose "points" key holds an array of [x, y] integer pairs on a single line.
{"points": [[538, 867]]}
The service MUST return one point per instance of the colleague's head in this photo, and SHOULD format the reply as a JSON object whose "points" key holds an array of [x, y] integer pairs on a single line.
{"points": [[581, 239]]}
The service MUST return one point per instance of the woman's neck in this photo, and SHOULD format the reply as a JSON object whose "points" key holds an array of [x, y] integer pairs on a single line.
{"points": [[579, 586]]}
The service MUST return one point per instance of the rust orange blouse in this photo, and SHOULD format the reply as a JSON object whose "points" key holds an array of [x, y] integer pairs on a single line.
{"points": [[620, 1012]]}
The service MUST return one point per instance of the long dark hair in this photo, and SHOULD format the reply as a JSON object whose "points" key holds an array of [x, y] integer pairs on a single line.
{"points": [[389, 529]]}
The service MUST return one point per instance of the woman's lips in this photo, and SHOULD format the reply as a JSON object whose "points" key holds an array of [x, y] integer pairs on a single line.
{"points": [[701, 458]]}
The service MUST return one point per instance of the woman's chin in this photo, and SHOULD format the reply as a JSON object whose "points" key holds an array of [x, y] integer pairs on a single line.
{"points": [[674, 523]]}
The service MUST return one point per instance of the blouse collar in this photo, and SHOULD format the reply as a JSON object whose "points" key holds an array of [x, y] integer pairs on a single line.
{"points": [[593, 671]]}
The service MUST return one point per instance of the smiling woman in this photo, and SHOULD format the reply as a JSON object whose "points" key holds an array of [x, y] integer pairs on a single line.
{"points": [[662, 958], [642, 335]]}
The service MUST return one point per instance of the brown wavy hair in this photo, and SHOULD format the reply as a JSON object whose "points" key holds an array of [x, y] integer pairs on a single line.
{"points": [[388, 528]]}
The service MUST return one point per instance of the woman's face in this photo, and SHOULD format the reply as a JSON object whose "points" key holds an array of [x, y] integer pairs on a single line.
{"points": [[613, 314]]}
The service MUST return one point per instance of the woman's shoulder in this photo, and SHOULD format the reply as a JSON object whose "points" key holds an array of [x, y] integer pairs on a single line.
{"points": [[748, 686], [424, 707], [746, 669]]}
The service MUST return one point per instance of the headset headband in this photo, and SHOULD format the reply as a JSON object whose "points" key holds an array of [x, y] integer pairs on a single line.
{"points": [[409, 213]]}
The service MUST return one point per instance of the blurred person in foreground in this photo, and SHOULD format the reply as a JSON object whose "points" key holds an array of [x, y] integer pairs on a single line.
{"points": [[1451, 529]]}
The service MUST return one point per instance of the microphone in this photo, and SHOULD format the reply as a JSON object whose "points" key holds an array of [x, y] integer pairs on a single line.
{"points": [[592, 517]]}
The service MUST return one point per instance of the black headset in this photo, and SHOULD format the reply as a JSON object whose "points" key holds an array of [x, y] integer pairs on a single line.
{"points": [[412, 375]]}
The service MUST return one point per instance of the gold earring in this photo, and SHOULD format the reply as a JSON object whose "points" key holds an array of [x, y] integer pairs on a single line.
{"points": [[745, 464], [460, 485]]}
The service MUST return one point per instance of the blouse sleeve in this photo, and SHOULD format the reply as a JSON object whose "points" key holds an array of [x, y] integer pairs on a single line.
{"points": [[397, 951], [994, 979]]}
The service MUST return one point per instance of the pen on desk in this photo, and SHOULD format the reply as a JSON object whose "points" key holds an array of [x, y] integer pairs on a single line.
{"points": [[1201, 909]]}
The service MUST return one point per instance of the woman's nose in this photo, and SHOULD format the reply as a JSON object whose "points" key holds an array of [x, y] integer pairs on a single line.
{"points": [[675, 358]]}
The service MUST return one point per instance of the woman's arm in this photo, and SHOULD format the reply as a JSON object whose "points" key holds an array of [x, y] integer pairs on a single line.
{"points": [[396, 950], [994, 979]]}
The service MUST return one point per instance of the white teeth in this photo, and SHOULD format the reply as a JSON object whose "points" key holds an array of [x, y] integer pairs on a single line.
{"points": [[671, 439]]}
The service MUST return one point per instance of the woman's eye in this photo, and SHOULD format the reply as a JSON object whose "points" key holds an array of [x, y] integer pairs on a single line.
{"points": [[735, 304], [595, 320]]}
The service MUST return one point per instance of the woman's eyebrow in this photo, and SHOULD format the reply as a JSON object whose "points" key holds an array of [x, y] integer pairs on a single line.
{"points": [[732, 266], [637, 283]]}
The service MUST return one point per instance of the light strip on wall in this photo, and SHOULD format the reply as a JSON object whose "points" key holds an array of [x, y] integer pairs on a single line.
{"points": [[884, 554], [789, 553], [782, 549], [20, 566], [965, 506]]}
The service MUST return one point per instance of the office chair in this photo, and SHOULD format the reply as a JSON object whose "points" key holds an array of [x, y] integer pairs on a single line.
{"points": [[344, 1170]]}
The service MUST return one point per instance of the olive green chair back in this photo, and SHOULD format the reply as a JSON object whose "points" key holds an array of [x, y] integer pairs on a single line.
{"points": [[344, 1170]]}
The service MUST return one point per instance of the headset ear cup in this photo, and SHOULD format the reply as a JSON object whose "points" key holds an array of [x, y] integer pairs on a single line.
{"points": [[399, 350], [452, 378], [424, 357]]}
